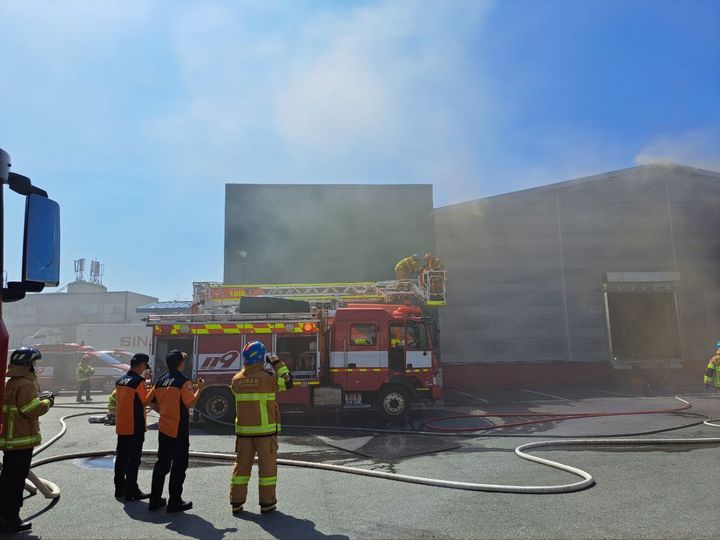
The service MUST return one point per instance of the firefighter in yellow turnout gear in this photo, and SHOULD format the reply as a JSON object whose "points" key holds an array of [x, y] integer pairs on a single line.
{"points": [[408, 267], [712, 372], [257, 423], [21, 433], [82, 374]]}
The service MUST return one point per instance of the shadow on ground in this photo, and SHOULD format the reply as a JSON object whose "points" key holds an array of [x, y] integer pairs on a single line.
{"points": [[284, 526], [183, 523]]}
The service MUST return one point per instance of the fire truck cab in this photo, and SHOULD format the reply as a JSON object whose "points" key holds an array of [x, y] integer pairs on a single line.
{"points": [[359, 356]]}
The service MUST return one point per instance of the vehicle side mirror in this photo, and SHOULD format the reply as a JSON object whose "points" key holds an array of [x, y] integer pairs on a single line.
{"points": [[41, 246], [41, 239]]}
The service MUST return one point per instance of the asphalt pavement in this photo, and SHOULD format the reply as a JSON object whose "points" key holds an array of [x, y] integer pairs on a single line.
{"points": [[640, 492]]}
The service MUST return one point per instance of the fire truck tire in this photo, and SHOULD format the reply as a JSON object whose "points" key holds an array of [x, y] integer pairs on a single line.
{"points": [[108, 386], [393, 402], [217, 404]]}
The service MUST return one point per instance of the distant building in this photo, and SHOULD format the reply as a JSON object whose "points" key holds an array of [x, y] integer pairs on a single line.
{"points": [[83, 303], [323, 233], [165, 308], [615, 270]]}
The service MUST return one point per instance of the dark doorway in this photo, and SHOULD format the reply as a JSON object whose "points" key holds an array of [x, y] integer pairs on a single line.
{"points": [[164, 346], [643, 326]]}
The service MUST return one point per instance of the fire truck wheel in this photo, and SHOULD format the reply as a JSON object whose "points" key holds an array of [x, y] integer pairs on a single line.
{"points": [[393, 402], [108, 386], [217, 404]]}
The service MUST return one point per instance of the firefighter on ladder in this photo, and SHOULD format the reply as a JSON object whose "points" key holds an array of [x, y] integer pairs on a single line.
{"points": [[712, 372], [434, 282], [408, 267], [257, 424]]}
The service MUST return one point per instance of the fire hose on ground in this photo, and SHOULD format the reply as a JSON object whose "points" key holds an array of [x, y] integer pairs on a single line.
{"points": [[50, 490]]}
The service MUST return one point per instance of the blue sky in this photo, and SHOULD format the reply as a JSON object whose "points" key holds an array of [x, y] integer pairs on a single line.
{"points": [[134, 115]]}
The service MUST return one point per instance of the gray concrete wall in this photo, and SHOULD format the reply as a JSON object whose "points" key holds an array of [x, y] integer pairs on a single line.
{"points": [[323, 233], [67, 310], [526, 270]]}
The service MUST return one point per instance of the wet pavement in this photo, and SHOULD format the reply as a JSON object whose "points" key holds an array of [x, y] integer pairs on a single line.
{"points": [[640, 492]]}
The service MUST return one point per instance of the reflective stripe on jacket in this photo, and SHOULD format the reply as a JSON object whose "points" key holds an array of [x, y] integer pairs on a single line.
{"points": [[82, 373], [21, 410], [256, 411], [132, 396], [173, 394], [409, 264], [712, 372]]}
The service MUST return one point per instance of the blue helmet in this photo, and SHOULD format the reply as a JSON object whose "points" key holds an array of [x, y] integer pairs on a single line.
{"points": [[253, 353]]}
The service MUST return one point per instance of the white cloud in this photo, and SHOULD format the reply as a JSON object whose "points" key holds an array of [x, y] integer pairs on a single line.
{"points": [[334, 94], [394, 74], [699, 148]]}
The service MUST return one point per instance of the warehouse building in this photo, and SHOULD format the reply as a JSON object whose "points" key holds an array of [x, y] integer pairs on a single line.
{"points": [[575, 281], [582, 279]]}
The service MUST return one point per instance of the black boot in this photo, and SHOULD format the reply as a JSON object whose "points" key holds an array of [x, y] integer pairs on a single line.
{"points": [[14, 525], [136, 495], [157, 503], [179, 506]]}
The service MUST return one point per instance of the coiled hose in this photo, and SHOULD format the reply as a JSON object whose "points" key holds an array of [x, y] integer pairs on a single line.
{"points": [[521, 451]]}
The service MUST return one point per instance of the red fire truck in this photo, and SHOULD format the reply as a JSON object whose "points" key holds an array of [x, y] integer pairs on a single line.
{"points": [[369, 351]]}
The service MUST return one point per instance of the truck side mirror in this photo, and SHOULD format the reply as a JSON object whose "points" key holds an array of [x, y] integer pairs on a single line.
{"points": [[41, 246], [41, 240]]}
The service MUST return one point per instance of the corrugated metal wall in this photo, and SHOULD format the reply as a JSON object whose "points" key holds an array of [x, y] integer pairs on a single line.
{"points": [[526, 270]]}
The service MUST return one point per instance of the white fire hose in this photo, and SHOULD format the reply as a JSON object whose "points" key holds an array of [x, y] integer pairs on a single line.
{"points": [[50, 490]]}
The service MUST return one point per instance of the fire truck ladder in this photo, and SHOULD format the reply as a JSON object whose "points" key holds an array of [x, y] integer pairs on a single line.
{"points": [[428, 290]]}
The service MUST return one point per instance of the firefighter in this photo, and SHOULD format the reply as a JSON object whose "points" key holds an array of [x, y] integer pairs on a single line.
{"points": [[408, 266], [21, 433], [112, 409], [82, 375], [130, 425], [174, 396], [712, 372], [433, 263], [257, 424]]}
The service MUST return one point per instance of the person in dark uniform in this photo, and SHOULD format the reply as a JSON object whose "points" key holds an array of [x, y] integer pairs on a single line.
{"points": [[174, 395], [21, 433], [131, 396]]}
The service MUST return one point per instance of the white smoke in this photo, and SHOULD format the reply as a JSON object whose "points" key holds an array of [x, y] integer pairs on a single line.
{"points": [[700, 148]]}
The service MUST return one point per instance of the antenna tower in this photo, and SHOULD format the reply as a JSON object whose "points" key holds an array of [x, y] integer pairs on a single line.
{"points": [[96, 272], [80, 270]]}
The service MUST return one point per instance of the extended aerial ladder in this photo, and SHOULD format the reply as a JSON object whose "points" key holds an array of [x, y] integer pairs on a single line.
{"points": [[429, 290]]}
